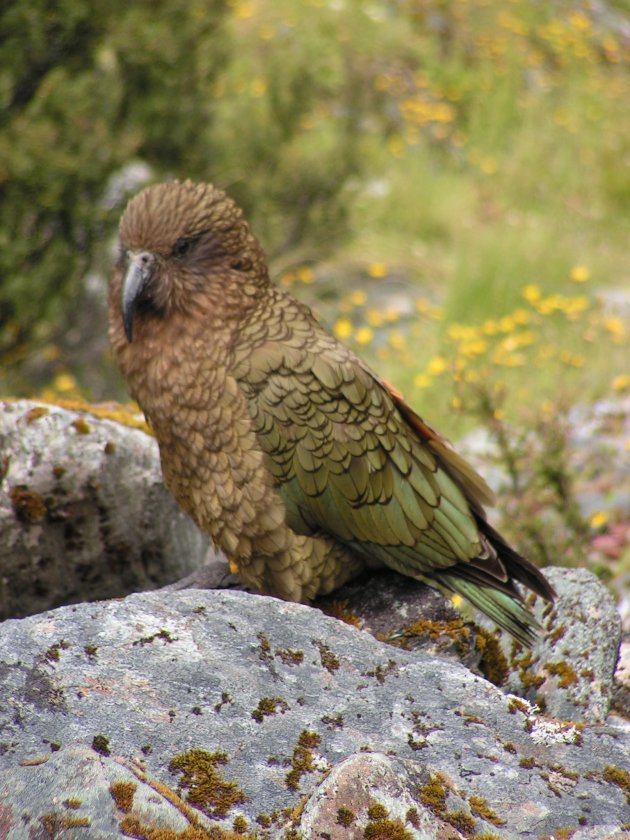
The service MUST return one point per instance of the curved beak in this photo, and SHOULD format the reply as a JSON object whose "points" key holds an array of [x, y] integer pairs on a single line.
{"points": [[139, 271]]}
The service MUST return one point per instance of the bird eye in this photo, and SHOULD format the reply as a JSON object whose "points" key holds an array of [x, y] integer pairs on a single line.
{"points": [[183, 246]]}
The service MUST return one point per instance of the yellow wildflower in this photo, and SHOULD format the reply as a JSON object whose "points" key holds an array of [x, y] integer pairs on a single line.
{"points": [[377, 270], [64, 382], [473, 347], [621, 382], [531, 293], [599, 519], [436, 365], [521, 317], [363, 335], [397, 340], [615, 326], [580, 274], [374, 317], [358, 297], [343, 328]]}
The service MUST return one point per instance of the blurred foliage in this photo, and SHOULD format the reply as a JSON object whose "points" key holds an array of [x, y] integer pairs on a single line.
{"points": [[443, 156], [84, 87]]}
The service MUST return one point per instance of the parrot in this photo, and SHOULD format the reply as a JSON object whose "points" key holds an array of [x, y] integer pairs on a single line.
{"points": [[302, 465]]}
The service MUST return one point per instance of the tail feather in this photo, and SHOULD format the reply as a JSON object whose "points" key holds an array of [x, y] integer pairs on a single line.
{"points": [[505, 610]]}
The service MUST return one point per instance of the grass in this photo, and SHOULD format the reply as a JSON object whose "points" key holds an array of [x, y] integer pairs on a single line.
{"points": [[503, 171]]}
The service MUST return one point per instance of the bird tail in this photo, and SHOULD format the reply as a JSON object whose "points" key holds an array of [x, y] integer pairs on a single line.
{"points": [[505, 610]]}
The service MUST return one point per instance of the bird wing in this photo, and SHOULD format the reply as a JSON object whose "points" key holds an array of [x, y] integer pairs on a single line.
{"points": [[350, 458]]}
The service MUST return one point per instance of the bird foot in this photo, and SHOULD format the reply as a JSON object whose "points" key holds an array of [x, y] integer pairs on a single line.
{"points": [[214, 574]]}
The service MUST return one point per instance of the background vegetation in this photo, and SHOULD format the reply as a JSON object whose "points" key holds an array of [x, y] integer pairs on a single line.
{"points": [[447, 182]]}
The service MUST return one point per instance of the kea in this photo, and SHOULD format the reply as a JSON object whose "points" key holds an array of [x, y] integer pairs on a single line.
{"points": [[301, 463]]}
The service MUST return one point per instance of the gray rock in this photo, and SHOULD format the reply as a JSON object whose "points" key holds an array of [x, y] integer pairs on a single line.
{"points": [[372, 791], [405, 612], [203, 707], [83, 511], [570, 670]]}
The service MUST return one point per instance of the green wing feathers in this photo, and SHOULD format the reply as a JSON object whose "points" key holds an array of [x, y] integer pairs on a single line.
{"points": [[351, 459]]}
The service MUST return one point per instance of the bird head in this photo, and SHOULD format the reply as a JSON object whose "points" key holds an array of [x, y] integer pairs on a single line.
{"points": [[184, 247]]}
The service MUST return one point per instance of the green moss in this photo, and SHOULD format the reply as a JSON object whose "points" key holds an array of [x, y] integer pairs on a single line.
{"points": [[226, 698], [618, 776], [309, 739], [100, 744], [53, 654], [457, 631], [377, 811], [81, 426], [164, 635], [493, 663], [517, 705], [433, 794], [564, 671], [205, 788], [509, 747], [239, 825], [302, 760], [481, 809], [386, 830], [269, 706], [57, 825], [527, 763], [416, 744], [265, 647], [123, 793], [570, 774], [35, 414], [413, 817], [90, 651], [328, 659], [28, 506], [72, 804], [333, 721], [340, 610], [5, 463], [133, 826], [460, 820], [380, 672], [289, 656], [557, 634], [34, 762], [345, 817]]}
